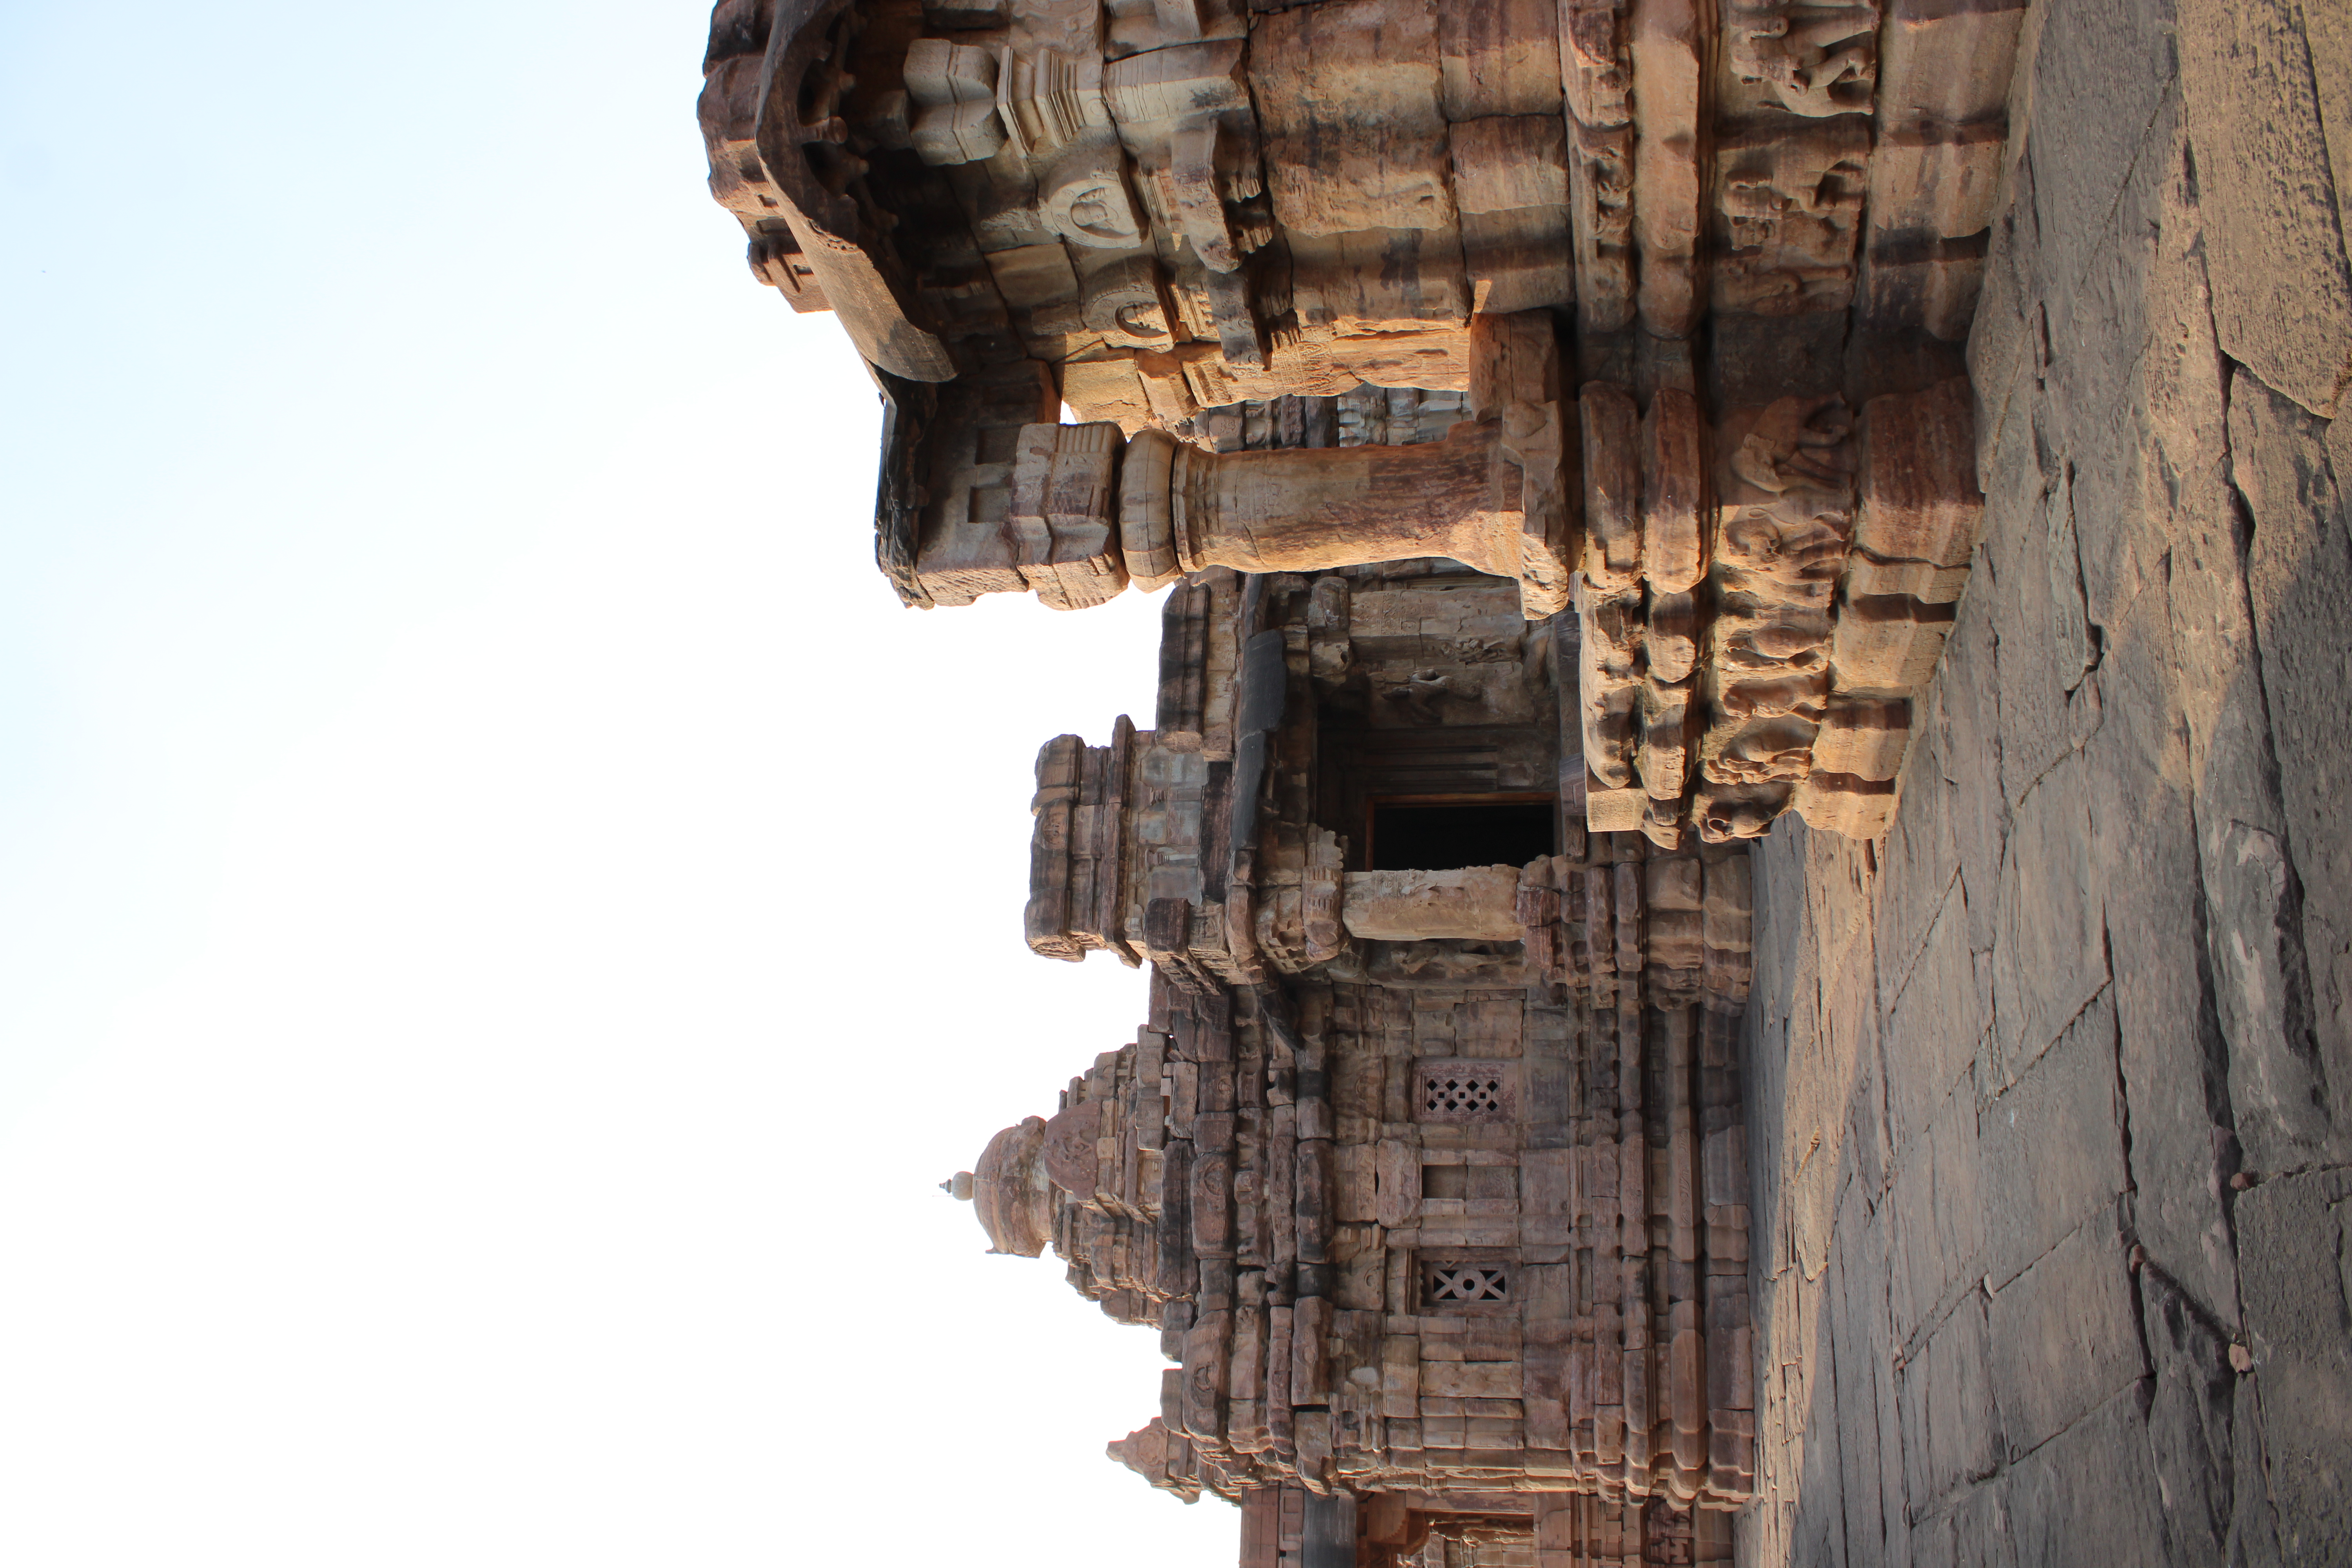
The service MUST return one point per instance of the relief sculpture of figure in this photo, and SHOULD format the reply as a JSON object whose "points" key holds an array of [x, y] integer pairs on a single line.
{"points": [[1786, 449], [1818, 61]]}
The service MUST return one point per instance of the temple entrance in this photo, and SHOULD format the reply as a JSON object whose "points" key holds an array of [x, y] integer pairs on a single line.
{"points": [[1445, 834]]}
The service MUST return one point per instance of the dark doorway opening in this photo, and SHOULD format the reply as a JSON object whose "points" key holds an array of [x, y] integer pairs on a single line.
{"points": [[1446, 836]]}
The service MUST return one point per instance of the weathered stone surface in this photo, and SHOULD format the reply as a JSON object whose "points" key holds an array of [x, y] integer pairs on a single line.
{"points": [[1869, 1442], [2262, 992], [1919, 855], [1510, 184], [1937, 1019], [1939, 1202], [2173, 1056], [2064, 1335], [2189, 1418], [2282, 292], [1674, 480], [2054, 1147], [1612, 488], [1368, 68], [1920, 496], [2116, 831], [1966, 701], [1949, 1435], [2090, 1494], [1974, 1532], [2299, 577], [2054, 959], [2293, 1244], [1499, 56]]}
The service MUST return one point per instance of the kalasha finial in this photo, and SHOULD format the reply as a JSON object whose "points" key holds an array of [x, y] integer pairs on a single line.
{"points": [[958, 1186]]}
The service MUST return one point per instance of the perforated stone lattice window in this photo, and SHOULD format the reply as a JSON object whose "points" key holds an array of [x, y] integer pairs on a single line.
{"points": [[1453, 1283], [1460, 1089], [1471, 1092]]}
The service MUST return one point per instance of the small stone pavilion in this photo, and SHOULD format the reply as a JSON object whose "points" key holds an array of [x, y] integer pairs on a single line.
{"points": [[1428, 1165], [1553, 416]]}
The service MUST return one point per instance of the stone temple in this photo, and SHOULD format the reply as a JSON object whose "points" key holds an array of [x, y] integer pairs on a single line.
{"points": [[1742, 849], [1429, 1164]]}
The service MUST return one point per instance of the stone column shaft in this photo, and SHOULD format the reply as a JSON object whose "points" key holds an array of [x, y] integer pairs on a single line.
{"points": [[1305, 510]]}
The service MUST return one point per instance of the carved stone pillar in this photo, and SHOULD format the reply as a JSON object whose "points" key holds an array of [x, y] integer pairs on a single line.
{"points": [[1784, 520], [1080, 511], [1009, 502], [1761, 595], [1306, 509]]}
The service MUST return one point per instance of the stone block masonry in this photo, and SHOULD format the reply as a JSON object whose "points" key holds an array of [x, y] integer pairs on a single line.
{"points": [[2062, 1231]]}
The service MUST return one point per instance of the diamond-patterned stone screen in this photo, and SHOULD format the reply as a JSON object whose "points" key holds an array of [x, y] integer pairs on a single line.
{"points": [[1451, 1089], [1469, 1093], [1456, 1282]]}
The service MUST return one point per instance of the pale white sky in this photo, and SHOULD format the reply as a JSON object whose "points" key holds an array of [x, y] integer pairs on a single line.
{"points": [[503, 920]]}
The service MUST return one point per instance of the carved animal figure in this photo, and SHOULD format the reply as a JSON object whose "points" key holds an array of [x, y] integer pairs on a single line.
{"points": [[1786, 450]]}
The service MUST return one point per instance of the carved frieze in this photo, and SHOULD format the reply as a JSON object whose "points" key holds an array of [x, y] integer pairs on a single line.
{"points": [[1596, 62], [1812, 60], [1600, 200], [952, 87], [1788, 208]]}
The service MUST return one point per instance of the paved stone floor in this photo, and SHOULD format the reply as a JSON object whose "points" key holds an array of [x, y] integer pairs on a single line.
{"points": [[2051, 1090]]}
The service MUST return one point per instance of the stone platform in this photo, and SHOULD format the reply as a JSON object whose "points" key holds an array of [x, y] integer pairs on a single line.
{"points": [[2053, 1086]]}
